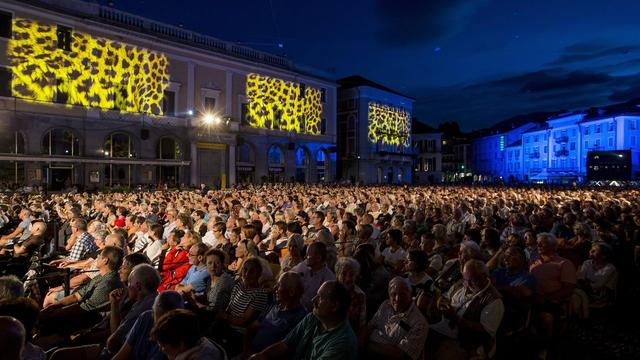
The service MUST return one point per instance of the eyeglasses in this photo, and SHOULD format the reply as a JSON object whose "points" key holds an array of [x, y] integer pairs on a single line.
{"points": [[190, 254]]}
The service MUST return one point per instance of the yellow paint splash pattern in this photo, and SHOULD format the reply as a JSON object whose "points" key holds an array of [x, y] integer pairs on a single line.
{"points": [[389, 125], [283, 105], [96, 72]]}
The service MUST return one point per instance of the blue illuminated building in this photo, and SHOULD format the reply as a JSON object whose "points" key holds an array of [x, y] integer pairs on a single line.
{"points": [[555, 151]]}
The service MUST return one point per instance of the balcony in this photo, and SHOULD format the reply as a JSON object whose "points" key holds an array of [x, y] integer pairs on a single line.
{"points": [[534, 155], [562, 139], [561, 153]]}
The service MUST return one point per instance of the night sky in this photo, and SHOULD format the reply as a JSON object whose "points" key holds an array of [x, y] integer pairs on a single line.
{"points": [[476, 62]]}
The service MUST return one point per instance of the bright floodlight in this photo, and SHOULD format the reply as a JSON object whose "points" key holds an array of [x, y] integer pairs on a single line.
{"points": [[208, 119]]}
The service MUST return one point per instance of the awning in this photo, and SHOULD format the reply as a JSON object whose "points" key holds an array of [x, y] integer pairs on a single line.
{"points": [[88, 160]]}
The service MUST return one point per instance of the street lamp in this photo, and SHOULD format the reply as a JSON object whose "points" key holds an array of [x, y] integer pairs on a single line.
{"points": [[210, 119]]}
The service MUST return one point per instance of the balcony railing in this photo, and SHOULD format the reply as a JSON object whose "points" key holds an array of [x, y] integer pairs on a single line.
{"points": [[562, 139], [563, 152], [534, 155], [181, 35]]}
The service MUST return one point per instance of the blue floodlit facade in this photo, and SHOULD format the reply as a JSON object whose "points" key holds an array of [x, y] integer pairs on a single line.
{"points": [[555, 151]]}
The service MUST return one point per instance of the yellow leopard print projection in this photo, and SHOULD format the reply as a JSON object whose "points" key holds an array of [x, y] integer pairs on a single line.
{"points": [[96, 72], [278, 104], [389, 125]]}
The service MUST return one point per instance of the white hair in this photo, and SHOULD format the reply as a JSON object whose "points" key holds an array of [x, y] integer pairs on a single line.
{"points": [[347, 262]]}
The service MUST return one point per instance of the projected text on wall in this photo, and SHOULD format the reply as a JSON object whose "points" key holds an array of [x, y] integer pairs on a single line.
{"points": [[53, 63], [389, 125], [283, 105]]}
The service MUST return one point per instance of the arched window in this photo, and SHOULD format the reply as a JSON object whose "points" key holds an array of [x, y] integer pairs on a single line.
{"points": [[321, 158], [321, 162], [11, 142], [168, 149], [61, 142], [244, 154], [302, 158], [275, 156], [119, 145]]}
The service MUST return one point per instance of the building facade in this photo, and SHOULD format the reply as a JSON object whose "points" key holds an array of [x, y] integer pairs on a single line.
{"points": [[96, 97], [556, 151], [428, 160], [374, 124]]}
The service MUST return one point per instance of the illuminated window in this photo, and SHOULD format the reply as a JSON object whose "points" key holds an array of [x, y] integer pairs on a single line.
{"points": [[64, 37], [5, 24], [302, 159], [5, 82], [275, 156], [61, 142], [502, 143], [118, 145], [168, 149], [209, 103]]}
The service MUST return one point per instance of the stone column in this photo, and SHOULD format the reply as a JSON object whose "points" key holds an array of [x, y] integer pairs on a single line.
{"points": [[194, 165], [232, 165]]}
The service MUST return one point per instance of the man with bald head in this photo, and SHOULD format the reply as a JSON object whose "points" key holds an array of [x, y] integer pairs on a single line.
{"points": [[471, 314], [12, 336], [397, 330], [142, 287], [323, 334], [283, 316], [33, 242]]}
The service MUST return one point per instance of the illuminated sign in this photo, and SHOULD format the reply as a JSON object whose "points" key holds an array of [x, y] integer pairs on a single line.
{"points": [[389, 125], [283, 105], [48, 61]]}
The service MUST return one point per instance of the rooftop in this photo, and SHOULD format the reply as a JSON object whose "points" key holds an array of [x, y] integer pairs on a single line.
{"points": [[357, 81], [108, 15]]}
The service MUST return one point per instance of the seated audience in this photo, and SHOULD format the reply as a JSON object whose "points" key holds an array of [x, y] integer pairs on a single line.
{"points": [[12, 338], [347, 272], [80, 309], [274, 324], [398, 330], [197, 277], [323, 334], [179, 337], [314, 271], [138, 343], [471, 314]]}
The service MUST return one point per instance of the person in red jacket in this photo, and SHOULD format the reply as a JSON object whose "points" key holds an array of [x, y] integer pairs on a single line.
{"points": [[121, 217], [176, 263]]}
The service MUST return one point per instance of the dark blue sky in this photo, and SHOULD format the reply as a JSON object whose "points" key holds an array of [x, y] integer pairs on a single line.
{"points": [[477, 62]]}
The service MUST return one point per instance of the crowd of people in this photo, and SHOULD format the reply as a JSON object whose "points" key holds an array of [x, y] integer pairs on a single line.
{"points": [[309, 271]]}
